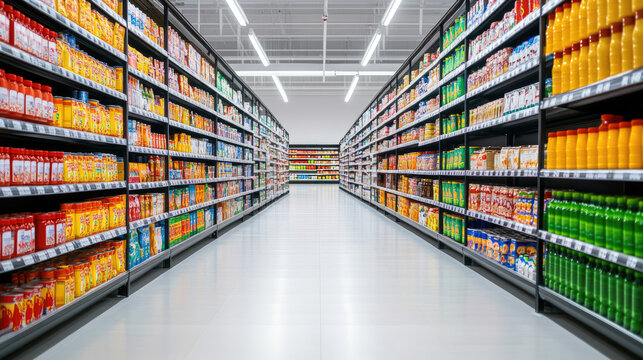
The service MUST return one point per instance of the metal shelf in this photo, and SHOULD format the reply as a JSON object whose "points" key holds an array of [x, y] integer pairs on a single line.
{"points": [[40, 190], [525, 229], [148, 185], [147, 150], [241, 161], [505, 273], [133, 225], [192, 156], [600, 175], [193, 129], [57, 133], [139, 35], [146, 78], [230, 141]]}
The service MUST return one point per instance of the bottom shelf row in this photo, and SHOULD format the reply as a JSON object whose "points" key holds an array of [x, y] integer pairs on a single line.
{"points": [[610, 294]]}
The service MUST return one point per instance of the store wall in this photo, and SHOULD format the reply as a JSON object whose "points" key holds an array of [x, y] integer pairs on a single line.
{"points": [[316, 119]]}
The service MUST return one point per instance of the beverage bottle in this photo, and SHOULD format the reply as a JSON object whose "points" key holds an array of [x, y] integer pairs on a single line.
{"points": [[583, 60], [638, 231], [628, 282], [561, 143], [610, 218], [565, 70], [549, 33], [601, 13], [551, 150], [570, 149], [551, 213], [582, 21], [612, 145], [572, 275], [574, 215], [580, 279], [599, 220], [617, 223], [611, 292], [566, 26], [592, 147], [635, 144], [565, 213], [629, 218], [601, 147], [592, 59], [637, 40], [556, 73], [603, 54], [574, 23], [620, 293], [637, 304], [581, 149], [564, 271], [615, 46], [589, 284], [557, 30], [603, 304]]}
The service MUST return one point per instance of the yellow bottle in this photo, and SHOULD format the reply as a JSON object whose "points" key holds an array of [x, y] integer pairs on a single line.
{"points": [[601, 147], [625, 9], [556, 73], [552, 151], [592, 59], [635, 144], [565, 70], [581, 149], [582, 20], [582, 62], [558, 33], [615, 48], [561, 143], [570, 150], [613, 9], [624, 132], [574, 22], [566, 26], [601, 13], [549, 34], [574, 66], [627, 53], [603, 58], [637, 41], [612, 146], [592, 148], [592, 17]]}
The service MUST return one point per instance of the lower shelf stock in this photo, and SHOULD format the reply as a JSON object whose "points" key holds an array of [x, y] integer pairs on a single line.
{"points": [[13, 340], [598, 323]]}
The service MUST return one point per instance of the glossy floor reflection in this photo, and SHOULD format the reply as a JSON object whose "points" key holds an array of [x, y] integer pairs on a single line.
{"points": [[320, 275]]}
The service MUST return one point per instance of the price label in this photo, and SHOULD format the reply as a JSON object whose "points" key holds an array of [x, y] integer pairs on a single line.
{"points": [[29, 127], [84, 242], [42, 256], [28, 260], [613, 256], [578, 246], [40, 190], [24, 190], [51, 253], [7, 265], [631, 262], [567, 242], [55, 189], [602, 253], [6, 191]]}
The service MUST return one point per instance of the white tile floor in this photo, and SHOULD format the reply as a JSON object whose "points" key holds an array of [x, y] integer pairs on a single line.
{"points": [[320, 275]]}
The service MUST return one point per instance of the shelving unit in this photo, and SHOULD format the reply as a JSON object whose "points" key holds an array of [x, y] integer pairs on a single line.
{"points": [[371, 151], [259, 143], [314, 164]]}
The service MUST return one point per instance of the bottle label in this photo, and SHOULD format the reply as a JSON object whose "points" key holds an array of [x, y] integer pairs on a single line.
{"points": [[7, 243], [41, 173], [30, 108], [22, 246], [4, 28], [34, 172], [50, 235], [4, 99], [21, 103], [17, 175], [38, 108], [53, 52], [60, 233], [13, 101], [46, 167]]}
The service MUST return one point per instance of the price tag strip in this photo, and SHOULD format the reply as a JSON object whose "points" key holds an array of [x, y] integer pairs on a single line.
{"points": [[147, 114], [615, 257], [526, 229], [16, 191], [150, 43], [616, 175]]}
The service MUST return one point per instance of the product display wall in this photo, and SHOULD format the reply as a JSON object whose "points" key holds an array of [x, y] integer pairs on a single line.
{"points": [[511, 136], [125, 140], [314, 163]]}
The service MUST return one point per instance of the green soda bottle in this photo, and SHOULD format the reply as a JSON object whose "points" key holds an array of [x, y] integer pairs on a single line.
{"points": [[554, 217], [620, 283], [628, 284], [611, 292], [629, 218], [574, 215], [637, 303], [603, 271], [589, 218], [580, 279], [610, 219], [597, 287], [573, 276], [599, 220], [555, 265], [589, 284], [638, 232], [565, 207], [547, 265], [582, 223], [564, 273]]}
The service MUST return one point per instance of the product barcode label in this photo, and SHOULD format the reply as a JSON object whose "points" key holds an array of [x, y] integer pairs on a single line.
{"points": [[602, 253], [42, 256], [70, 247], [631, 262], [84, 242], [613, 256], [51, 253], [28, 260], [7, 265]]}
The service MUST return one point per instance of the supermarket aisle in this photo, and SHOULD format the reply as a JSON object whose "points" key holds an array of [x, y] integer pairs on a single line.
{"points": [[310, 286]]}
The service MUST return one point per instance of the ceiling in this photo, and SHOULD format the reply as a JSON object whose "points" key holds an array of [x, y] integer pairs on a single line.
{"points": [[291, 33]]}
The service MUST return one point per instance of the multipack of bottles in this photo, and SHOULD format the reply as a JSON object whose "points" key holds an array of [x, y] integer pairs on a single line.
{"points": [[608, 289], [612, 222], [592, 40], [139, 20], [614, 144], [140, 134]]}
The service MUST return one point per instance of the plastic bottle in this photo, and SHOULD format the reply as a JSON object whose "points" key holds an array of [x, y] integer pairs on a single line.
{"points": [[570, 150], [574, 22], [601, 15], [38, 103], [629, 218], [581, 149], [574, 67], [565, 213], [610, 218], [549, 33], [556, 73], [637, 40], [566, 26], [561, 143], [603, 58], [4, 94], [611, 292], [565, 70], [592, 59], [589, 218], [599, 220], [558, 31], [574, 215], [589, 283], [624, 131], [592, 147], [615, 47], [638, 231], [612, 146], [627, 38], [582, 21], [601, 147], [551, 150], [635, 147], [637, 303]]}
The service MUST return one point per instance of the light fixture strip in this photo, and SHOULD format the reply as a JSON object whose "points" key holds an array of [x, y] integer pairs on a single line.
{"points": [[390, 12], [371, 48], [280, 88], [255, 43], [238, 13], [351, 89]]}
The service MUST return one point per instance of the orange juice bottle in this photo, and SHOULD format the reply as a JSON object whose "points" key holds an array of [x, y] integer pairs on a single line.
{"points": [[612, 146], [627, 53], [570, 150], [556, 73], [566, 25], [592, 17], [601, 147], [582, 21], [552, 150], [583, 58], [558, 31], [561, 143], [603, 58], [592, 59], [601, 13], [549, 34], [565, 70], [581, 148], [574, 22], [624, 133], [592, 148], [615, 48], [635, 145], [637, 41], [574, 66], [613, 10]]}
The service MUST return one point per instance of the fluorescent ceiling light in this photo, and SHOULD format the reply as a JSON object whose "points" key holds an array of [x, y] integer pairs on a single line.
{"points": [[238, 12], [311, 73], [371, 48], [280, 88], [351, 88], [390, 12], [255, 43]]}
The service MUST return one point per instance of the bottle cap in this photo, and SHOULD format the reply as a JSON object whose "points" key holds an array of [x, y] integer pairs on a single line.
{"points": [[567, 5], [571, 132], [613, 126], [624, 124], [593, 130], [561, 134], [551, 134], [581, 131]]}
